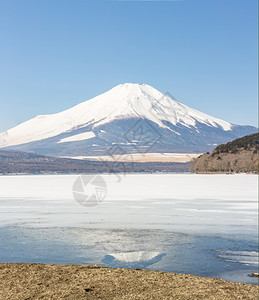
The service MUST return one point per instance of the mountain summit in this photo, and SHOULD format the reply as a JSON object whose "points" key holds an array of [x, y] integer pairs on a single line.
{"points": [[130, 117]]}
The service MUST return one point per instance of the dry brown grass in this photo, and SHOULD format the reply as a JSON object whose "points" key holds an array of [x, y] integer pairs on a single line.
{"points": [[242, 161], [144, 157], [36, 281]]}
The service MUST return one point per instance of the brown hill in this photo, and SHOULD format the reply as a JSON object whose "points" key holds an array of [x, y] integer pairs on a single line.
{"points": [[240, 155]]}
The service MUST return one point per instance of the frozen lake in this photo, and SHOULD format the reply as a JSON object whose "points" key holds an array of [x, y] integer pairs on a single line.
{"points": [[199, 224]]}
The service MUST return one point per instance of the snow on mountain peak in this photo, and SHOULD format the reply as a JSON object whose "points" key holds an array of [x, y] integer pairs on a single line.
{"points": [[128, 100]]}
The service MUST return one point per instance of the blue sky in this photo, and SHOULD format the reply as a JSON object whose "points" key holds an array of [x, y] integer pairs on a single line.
{"points": [[55, 54]]}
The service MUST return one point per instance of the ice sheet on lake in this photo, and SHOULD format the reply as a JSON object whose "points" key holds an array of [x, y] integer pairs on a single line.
{"points": [[200, 224], [244, 257], [206, 204]]}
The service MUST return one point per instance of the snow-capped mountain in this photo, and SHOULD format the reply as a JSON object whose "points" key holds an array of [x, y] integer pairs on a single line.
{"points": [[129, 118]]}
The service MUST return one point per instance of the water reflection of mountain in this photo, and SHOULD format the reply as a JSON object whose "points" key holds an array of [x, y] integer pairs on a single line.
{"points": [[136, 259]]}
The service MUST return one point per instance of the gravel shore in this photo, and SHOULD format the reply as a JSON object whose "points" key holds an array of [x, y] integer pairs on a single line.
{"points": [[38, 281]]}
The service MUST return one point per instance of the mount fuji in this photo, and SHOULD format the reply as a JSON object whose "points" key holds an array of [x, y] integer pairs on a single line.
{"points": [[129, 118]]}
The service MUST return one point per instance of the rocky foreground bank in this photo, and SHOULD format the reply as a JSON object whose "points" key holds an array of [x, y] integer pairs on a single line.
{"points": [[38, 281]]}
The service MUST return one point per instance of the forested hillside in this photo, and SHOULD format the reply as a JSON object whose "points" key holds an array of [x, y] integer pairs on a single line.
{"points": [[240, 155]]}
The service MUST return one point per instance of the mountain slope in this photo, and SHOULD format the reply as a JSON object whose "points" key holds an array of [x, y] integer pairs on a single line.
{"points": [[240, 155], [134, 117]]}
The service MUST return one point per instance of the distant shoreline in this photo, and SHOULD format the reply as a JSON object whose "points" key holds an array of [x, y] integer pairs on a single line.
{"points": [[141, 157], [127, 173], [34, 281]]}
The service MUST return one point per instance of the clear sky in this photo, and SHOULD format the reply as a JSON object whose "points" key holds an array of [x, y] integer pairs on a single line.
{"points": [[55, 54]]}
